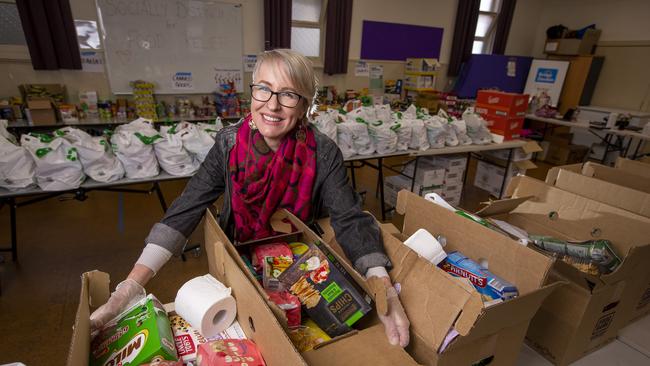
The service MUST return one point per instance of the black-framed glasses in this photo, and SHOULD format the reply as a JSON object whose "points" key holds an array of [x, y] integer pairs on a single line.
{"points": [[263, 93]]}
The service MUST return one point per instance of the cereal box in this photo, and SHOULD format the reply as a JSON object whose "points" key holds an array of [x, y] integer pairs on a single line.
{"points": [[326, 291], [141, 334]]}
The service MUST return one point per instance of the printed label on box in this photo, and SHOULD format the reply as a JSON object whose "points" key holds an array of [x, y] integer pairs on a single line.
{"points": [[645, 299], [602, 325]]}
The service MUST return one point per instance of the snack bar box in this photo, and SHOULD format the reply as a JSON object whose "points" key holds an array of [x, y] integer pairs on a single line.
{"points": [[511, 103], [436, 302], [587, 314]]}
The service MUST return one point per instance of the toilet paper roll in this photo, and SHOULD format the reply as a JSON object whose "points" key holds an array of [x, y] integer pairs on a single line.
{"points": [[206, 304], [423, 243]]}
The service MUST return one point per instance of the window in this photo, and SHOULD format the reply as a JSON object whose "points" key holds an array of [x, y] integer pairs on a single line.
{"points": [[486, 26], [11, 29], [307, 27]]}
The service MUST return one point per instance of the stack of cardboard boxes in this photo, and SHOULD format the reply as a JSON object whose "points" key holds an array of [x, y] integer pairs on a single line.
{"points": [[558, 149], [504, 113], [490, 173]]}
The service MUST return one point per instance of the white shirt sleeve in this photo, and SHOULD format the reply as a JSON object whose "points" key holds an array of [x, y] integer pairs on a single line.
{"points": [[154, 257], [377, 271]]}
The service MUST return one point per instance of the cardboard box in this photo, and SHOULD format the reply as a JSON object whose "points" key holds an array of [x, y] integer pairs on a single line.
{"points": [[454, 178], [420, 81], [573, 46], [560, 138], [613, 190], [639, 167], [395, 183], [495, 332], [618, 176], [512, 103], [499, 137], [489, 177], [41, 111], [586, 315], [54, 92], [496, 111], [523, 153], [427, 174], [451, 163], [261, 320], [566, 154]]}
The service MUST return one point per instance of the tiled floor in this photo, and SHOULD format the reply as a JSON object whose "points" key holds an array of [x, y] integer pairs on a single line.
{"points": [[58, 240]]}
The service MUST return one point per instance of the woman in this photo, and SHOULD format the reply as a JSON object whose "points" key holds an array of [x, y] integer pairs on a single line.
{"points": [[270, 160]]}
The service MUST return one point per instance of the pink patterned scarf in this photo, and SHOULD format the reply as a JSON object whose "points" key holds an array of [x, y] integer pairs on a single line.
{"points": [[265, 181]]}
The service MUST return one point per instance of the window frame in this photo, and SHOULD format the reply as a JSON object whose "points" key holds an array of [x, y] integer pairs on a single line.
{"points": [[488, 39], [322, 19]]}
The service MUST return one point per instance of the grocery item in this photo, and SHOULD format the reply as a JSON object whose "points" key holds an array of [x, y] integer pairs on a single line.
{"points": [[139, 335], [289, 303], [298, 249], [206, 304], [308, 336], [427, 246], [259, 252], [186, 338], [57, 162], [273, 267], [487, 283], [327, 292], [599, 252], [229, 352]]}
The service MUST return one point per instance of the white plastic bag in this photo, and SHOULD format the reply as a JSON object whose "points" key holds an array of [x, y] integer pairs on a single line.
{"points": [[435, 132], [326, 122], [95, 154], [450, 139], [403, 128], [172, 157], [383, 112], [477, 128], [461, 131], [345, 139], [353, 138], [198, 139], [16, 164], [57, 162], [133, 145], [383, 137]]}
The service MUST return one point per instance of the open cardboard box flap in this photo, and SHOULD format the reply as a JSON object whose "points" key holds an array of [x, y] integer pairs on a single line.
{"points": [[263, 325], [636, 179], [531, 147], [580, 218], [611, 193], [639, 167]]}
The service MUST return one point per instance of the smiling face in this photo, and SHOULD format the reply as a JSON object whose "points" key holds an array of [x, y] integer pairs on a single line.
{"points": [[272, 119]]}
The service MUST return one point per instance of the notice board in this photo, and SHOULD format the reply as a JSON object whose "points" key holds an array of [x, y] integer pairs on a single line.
{"points": [[395, 41]]}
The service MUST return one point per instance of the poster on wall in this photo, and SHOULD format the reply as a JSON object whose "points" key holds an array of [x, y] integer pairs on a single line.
{"points": [[361, 69], [92, 61], [546, 76]]}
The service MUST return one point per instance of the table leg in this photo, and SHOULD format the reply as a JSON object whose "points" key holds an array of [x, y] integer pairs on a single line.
{"points": [[161, 198], [415, 173], [14, 237], [380, 166], [505, 175]]}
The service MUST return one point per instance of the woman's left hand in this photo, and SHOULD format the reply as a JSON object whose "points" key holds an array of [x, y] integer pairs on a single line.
{"points": [[390, 311]]}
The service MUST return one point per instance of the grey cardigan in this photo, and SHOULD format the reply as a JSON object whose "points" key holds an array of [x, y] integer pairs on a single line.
{"points": [[355, 230]]}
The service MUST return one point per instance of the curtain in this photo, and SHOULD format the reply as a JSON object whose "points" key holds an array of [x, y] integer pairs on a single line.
{"points": [[337, 36], [464, 30], [50, 33], [277, 24], [503, 26]]}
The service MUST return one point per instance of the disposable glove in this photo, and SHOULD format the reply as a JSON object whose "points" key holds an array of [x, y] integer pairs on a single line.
{"points": [[390, 311], [127, 293]]}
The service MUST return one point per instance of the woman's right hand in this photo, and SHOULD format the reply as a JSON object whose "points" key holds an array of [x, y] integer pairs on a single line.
{"points": [[126, 294]]}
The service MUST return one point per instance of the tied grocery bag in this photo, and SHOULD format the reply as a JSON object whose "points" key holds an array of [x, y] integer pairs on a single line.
{"points": [[172, 156], [133, 144], [95, 153], [326, 122], [403, 128], [199, 138], [57, 162], [16, 165]]}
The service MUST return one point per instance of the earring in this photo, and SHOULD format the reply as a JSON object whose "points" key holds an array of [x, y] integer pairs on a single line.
{"points": [[252, 125], [301, 133]]}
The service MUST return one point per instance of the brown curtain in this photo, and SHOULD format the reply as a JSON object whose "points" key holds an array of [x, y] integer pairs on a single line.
{"points": [[461, 49], [504, 21], [337, 36], [50, 33], [277, 24]]}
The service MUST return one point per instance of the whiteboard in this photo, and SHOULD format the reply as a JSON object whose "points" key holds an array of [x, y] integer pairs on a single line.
{"points": [[183, 46]]}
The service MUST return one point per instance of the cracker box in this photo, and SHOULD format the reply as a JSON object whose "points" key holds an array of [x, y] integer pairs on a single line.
{"points": [[326, 291], [141, 334], [186, 338]]}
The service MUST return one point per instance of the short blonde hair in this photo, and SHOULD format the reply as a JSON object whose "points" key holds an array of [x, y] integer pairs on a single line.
{"points": [[299, 69]]}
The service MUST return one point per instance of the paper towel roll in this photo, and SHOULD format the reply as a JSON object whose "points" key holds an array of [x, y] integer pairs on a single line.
{"points": [[206, 304], [423, 243]]}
